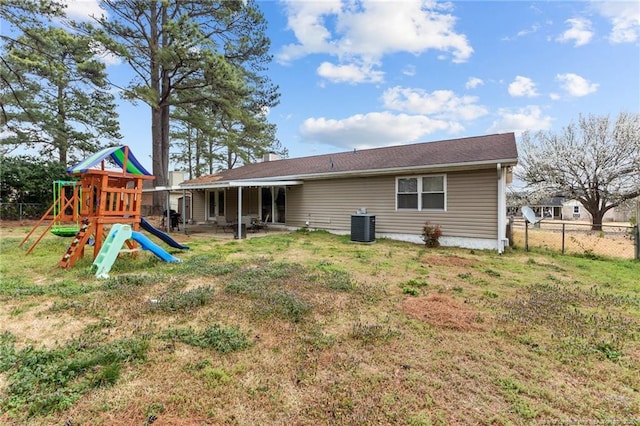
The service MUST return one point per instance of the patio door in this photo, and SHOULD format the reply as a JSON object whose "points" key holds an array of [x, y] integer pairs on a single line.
{"points": [[216, 204], [273, 202]]}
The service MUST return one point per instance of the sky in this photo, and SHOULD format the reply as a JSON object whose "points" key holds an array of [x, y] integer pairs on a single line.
{"points": [[365, 74]]}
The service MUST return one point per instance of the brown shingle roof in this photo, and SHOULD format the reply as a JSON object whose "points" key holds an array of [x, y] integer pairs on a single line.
{"points": [[481, 149]]}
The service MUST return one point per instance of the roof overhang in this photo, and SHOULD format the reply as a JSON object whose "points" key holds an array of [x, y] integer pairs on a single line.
{"points": [[435, 168], [165, 188], [241, 183], [299, 179]]}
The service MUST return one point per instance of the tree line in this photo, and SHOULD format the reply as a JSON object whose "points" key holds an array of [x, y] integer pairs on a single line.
{"points": [[199, 65]]}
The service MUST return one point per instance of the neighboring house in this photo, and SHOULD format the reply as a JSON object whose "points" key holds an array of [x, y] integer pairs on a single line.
{"points": [[459, 184], [176, 195], [549, 208], [574, 210]]}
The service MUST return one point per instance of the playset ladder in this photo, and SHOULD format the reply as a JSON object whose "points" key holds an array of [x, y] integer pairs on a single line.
{"points": [[76, 249]]}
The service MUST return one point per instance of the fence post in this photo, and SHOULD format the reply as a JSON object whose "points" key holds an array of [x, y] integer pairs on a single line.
{"points": [[526, 235], [563, 227], [510, 231], [636, 235]]}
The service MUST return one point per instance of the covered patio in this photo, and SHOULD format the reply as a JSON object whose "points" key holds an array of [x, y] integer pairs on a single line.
{"points": [[256, 205]]}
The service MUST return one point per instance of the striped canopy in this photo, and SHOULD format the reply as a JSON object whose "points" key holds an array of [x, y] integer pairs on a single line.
{"points": [[117, 155]]}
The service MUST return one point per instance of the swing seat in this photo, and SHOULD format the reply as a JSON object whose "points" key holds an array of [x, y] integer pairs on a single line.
{"points": [[65, 231]]}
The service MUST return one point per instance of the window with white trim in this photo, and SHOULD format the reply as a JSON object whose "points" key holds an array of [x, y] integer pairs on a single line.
{"points": [[576, 209], [421, 192]]}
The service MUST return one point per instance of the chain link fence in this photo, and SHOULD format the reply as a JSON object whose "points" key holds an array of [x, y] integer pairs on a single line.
{"points": [[614, 240], [22, 211]]}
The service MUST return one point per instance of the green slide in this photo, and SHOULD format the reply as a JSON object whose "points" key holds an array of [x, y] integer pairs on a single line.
{"points": [[110, 249]]}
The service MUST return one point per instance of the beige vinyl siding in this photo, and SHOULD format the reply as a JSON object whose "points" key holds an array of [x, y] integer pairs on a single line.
{"points": [[199, 202], [471, 209]]}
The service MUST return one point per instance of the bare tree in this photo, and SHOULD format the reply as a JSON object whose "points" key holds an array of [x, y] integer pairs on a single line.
{"points": [[595, 161]]}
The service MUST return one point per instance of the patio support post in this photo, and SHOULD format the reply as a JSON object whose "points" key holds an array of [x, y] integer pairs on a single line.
{"points": [[273, 204], [239, 212], [168, 211], [184, 211]]}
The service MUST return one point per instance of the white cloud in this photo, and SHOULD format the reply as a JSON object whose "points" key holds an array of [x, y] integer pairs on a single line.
{"points": [[624, 18], [363, 131], [83, 9], [473, 82], [576, 85], [579, 32], [409, 70], [534, 28], [522, 86], [103, 55], [367, 30], [554, 96], [349, 73], [413, 114], [528, 118], [441, 104]]}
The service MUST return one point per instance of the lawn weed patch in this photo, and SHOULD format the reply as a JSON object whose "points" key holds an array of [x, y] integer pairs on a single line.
{"points": [[207, 265], [42, 381], [579, 323], [182, 301], [216, 337]]}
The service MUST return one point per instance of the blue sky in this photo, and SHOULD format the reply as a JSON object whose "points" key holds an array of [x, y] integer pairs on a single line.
{"points": [[363, 74]]}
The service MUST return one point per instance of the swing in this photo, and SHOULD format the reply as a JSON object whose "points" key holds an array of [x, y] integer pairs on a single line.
{"points": [[65, 208]]}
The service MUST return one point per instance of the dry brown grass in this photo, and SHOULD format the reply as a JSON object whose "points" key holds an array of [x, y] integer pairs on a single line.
{"points": [[616, 242], [370, 354], [443, 312]]}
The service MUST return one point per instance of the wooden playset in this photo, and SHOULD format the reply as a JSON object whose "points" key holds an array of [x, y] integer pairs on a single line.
{"points": [[100, 197]]}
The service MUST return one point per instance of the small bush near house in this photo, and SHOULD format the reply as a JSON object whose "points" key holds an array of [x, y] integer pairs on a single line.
{"points": [[431, 234]]}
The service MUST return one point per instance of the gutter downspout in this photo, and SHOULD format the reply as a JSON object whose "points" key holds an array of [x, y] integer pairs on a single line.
{"points": [[502, 207]]}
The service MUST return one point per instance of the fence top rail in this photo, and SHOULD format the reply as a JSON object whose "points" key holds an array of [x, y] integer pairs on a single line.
{"points": [[556, 222]]}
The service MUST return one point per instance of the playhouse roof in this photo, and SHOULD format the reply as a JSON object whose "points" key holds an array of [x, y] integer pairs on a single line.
{"points": [[117, 154]]}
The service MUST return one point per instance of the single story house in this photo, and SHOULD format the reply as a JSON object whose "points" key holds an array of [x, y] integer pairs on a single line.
{"points": [[574, 210], [549, 208], [459, 184]]}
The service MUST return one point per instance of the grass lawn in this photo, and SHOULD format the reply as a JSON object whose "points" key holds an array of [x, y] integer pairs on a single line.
{"points": [[308, 328]]}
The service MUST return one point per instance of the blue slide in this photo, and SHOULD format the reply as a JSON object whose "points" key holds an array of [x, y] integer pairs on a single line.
{"points": [[147, 244], [158, 233]]}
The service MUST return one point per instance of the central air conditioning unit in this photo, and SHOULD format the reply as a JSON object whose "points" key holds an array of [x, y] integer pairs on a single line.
{"points": [[363, 228]]}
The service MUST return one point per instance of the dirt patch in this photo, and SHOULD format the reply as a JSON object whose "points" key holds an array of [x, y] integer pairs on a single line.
{"points": [[443, 311]]}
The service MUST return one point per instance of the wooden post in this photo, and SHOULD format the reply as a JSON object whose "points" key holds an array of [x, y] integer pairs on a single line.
{"points": [[636, 232]]}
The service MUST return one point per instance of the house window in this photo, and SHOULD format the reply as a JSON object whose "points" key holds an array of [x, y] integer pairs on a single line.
{"points": [[433, 193], [422, 193], [576, 209], [408, 193]]}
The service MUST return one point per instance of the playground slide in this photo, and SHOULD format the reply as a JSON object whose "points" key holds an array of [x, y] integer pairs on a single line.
{"points": [[158, 233], [147, 244], [110, 248]]}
